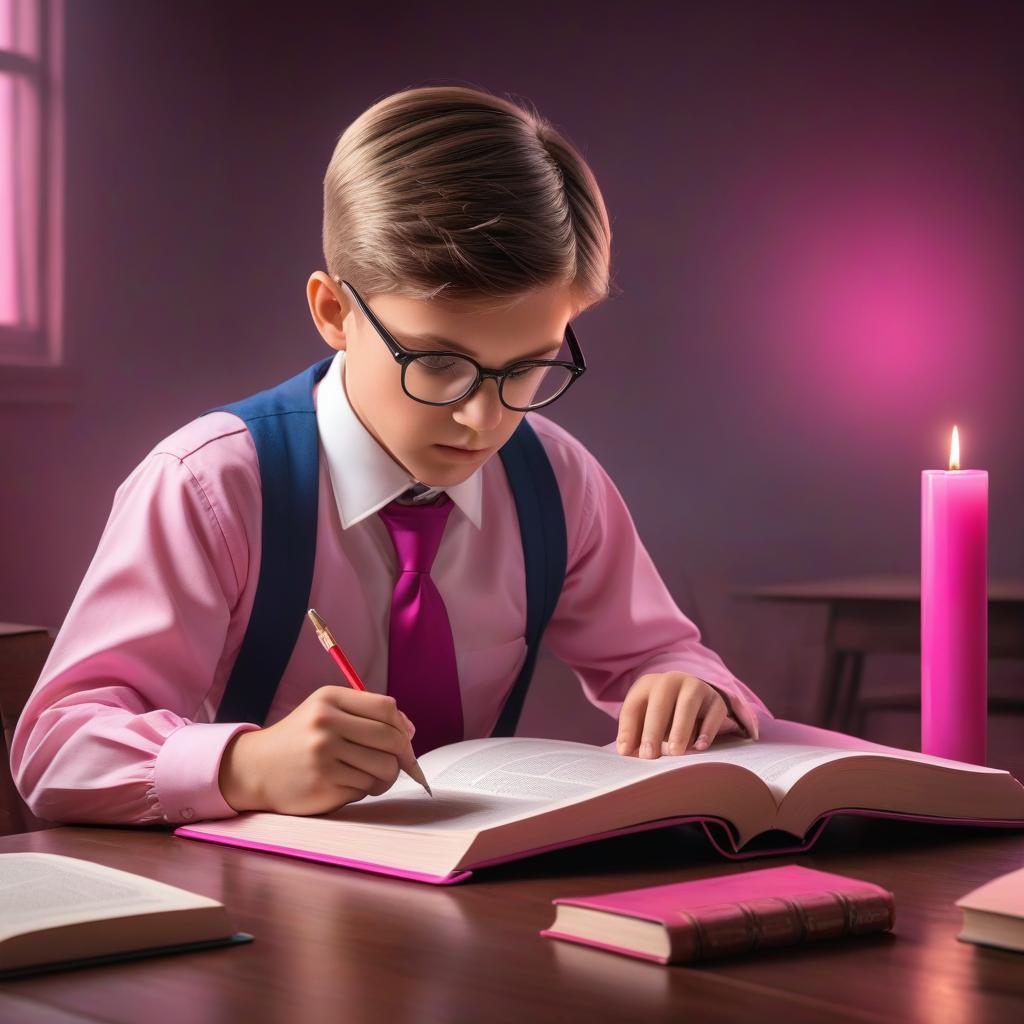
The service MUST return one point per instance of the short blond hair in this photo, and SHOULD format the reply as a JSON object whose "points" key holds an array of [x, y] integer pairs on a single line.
{"points": [[454, 191]]}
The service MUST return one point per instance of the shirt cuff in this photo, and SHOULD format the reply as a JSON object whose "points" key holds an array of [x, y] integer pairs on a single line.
{"points": [[187, 770]]}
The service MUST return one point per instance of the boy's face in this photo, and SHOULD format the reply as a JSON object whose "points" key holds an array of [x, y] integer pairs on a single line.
{"points": [[415, 434]]}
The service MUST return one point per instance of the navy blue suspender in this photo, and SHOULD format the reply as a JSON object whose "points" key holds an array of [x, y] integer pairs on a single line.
{"points": [[282, 422], [542, 528]]}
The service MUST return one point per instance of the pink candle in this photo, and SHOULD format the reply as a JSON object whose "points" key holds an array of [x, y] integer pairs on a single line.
{"points": [[954, 610]]}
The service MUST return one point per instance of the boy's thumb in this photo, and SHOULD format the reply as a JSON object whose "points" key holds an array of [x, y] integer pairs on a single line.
{"points": [[410, 728]]}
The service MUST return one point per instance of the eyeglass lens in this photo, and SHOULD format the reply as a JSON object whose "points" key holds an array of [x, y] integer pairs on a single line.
{"points": [[448, 377]]}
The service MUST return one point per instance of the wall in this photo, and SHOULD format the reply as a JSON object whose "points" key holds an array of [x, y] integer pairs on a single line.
{"points": [[817, 253]]}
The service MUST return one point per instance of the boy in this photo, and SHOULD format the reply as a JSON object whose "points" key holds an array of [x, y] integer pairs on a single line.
{"points": [[461, 235]]}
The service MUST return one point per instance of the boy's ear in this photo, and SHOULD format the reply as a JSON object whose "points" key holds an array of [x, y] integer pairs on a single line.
{"points": [[329, 307]]}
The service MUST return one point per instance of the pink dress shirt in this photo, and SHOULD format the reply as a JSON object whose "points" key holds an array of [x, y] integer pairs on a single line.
{"points": [[119, 728]]}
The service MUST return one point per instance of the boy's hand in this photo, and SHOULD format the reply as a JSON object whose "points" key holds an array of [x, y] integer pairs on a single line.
{"points": [[671, 706], [337, 746]]}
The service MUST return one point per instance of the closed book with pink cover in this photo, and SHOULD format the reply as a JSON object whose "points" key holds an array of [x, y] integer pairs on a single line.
{"points": [[725, 915]]}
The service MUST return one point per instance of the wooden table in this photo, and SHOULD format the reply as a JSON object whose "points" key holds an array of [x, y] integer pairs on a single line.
{"points": [[882, 615], [337, 945]]}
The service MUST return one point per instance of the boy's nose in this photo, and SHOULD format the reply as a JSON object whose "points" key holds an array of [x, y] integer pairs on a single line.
{"points": [[482, 410]]}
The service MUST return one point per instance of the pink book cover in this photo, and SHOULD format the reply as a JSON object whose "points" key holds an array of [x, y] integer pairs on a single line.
{"points": [[670, 905]]}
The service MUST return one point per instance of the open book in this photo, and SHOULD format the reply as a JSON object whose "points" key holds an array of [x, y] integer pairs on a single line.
{"points": [[499, 799], [58, 912]]}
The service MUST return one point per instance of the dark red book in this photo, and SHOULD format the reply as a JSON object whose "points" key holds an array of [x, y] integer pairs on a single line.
{"points": [[725, 915]]}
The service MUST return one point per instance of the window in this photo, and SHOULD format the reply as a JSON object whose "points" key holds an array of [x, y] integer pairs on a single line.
{"points": [[31, 182]]}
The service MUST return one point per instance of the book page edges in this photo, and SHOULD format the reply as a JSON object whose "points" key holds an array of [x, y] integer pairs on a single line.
{"points": [[808, 799], [347, 843], [551, 933], [113, 936], [191, 832], [745, 806]]}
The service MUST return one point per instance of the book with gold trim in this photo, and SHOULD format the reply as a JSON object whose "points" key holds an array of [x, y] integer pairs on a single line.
{"points": [[725, 915]]}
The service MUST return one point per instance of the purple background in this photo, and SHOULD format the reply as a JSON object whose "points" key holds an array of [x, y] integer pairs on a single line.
{"points": [[817, 254]]}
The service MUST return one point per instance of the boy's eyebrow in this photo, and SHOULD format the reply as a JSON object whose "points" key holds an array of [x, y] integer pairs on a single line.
{"points": [[551, 346]]}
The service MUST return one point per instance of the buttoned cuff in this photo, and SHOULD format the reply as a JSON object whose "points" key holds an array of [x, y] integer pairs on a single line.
{"points": [[187, 770]]}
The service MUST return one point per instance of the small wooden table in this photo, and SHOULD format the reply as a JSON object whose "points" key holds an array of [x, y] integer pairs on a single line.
{"points": [[882, 615], [335, 944]]}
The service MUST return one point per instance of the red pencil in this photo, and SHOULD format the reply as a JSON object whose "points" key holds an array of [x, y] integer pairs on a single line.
{"points": [[330, 645]]}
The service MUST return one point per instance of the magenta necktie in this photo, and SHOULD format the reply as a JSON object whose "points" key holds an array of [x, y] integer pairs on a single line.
{"points": [[422, 673]]}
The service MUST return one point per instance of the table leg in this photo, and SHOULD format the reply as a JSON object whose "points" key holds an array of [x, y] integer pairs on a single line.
{"points": [[849, 700], [831, 686]]}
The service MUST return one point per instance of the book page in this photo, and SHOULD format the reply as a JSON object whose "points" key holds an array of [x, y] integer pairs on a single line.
{"points": [[478, 784], [559, 770], [544, 769], [792, 750], [43, 889]]}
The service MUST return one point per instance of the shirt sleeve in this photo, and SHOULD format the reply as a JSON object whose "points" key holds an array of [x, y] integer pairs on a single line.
{"points": [[616, 621], [108, 735]]}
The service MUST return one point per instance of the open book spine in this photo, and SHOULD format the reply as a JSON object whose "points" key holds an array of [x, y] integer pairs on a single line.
{"points": [[727, 929]]}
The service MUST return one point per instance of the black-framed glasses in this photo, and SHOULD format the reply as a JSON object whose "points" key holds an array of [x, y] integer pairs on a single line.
{"points": [[437, 377]]}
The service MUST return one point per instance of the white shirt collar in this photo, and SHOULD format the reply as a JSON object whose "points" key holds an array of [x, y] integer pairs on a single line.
{"points": [[364, 476]]}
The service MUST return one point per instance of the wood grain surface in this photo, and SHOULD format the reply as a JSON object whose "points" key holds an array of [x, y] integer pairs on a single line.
{"points": [[345, 946]]}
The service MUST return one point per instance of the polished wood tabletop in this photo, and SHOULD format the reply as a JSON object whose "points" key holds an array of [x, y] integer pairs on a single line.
{"points": [[339, 945]]}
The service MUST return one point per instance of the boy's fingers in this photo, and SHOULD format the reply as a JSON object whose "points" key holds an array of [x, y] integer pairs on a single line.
{"points": [[377, 763], [688, 707], [370, 732], [381, 707], [407, 758], [711, 724], [662, 704], [630, 718], [343, 774]]}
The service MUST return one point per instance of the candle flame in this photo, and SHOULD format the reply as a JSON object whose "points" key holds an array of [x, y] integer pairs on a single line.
{"points": [[954, 450]]}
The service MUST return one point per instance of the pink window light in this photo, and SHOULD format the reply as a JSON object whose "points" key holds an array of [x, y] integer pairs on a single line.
{"points": [[19, 163]]}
